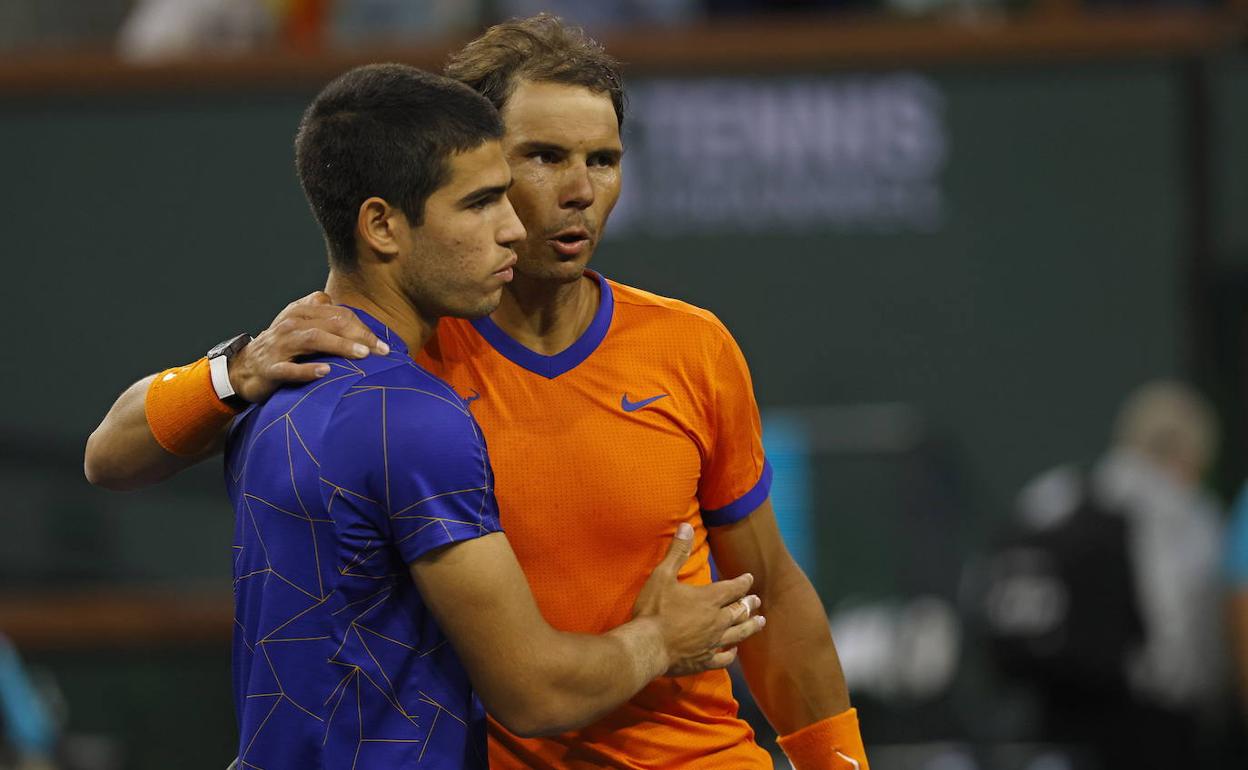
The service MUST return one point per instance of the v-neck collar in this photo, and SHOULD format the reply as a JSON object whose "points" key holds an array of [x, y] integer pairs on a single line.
{"points": [[551, 367], [383, 332]]}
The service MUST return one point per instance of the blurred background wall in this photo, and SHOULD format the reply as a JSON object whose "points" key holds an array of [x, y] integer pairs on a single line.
{"points": [[949, 237]]}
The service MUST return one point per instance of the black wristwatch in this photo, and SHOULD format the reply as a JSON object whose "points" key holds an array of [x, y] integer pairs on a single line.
{"points": [[218, 363]]}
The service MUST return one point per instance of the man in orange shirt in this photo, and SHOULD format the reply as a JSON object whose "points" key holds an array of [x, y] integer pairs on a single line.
{"points": [[603, 405]]}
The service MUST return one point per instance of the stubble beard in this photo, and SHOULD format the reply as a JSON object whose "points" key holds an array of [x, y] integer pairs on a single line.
{"points": [[547, 266]]}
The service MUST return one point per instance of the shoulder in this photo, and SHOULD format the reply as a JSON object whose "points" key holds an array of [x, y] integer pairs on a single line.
{"points": [[695, 324], [400, 419], [402, 392], [353, 398], [325, 392]]}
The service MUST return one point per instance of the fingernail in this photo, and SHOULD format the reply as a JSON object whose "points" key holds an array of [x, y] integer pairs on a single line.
{"points": [[684, 531], [383, 348], [750, 577], [762, 621], [359, 350], [321, 370]]}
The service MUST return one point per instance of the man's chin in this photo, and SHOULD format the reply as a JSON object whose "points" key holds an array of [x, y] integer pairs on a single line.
{"points": [[479, 309], [554, 268], [489, 305]]}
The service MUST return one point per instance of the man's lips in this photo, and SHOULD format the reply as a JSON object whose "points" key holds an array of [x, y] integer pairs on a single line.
{"points": [[570, 241], [505, 272]]}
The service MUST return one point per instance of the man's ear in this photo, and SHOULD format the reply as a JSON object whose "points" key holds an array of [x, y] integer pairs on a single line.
{"points": [[381, 228]]}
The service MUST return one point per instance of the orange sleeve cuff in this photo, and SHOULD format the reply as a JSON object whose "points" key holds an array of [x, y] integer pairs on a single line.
{"points": [[834, 743], [183, 410]]}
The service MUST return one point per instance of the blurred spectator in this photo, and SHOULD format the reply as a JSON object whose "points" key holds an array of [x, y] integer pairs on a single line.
{"points": [[1237, 578], [1108, 600], [604, 14], [59, 24], [162, 29], [165, 29], [28, 729], [356, 23], [756, 7]]}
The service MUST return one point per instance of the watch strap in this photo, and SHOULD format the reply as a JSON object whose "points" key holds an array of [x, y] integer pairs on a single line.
{"points": [[220, 369], [219, 366]]}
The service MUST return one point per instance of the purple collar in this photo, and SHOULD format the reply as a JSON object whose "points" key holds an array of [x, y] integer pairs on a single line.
{"points": [[551, 367]]}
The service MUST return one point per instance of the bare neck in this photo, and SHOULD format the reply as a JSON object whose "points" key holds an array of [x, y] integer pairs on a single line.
{"points": [[547, 317], [384, 303]]}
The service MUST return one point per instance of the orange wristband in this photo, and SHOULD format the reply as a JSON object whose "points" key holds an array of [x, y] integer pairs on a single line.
{"points": [[829, 744], [183, 410]]}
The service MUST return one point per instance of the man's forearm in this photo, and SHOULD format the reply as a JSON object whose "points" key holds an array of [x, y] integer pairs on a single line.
{"points": [[793, 669], [122, 453], [533, 679], [583, 678]]}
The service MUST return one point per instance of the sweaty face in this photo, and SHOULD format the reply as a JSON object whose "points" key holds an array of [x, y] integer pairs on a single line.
{"points": [[563, 145], [457, 261]]}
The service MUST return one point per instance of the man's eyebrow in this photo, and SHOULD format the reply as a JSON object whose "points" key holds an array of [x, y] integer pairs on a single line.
{"points": [[540, 146], [482, 193], [525, 148]]}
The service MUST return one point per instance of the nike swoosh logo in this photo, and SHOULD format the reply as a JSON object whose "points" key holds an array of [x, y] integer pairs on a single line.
{"points": [[475, 395], [632, 406], [853, 762]]}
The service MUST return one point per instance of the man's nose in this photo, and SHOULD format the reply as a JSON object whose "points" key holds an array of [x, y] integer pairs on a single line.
{"points": [[512, 229], [577, 191]]}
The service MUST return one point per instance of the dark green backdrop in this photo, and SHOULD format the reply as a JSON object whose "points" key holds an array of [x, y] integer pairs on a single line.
{"points": [[141, 230]]}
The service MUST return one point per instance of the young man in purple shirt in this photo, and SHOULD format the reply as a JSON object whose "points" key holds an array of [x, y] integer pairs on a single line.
{"points": [[376, 597]]}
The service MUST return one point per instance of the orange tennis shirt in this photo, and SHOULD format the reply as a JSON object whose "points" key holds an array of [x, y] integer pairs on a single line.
{"points": [[599, 452]]}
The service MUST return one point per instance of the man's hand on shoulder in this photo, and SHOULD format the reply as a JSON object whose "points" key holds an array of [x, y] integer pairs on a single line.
{"points": [[701, 626], [123, 452], [312, 325]]}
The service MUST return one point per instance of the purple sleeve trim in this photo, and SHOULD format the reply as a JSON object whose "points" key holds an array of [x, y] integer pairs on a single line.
{"points": [[744, 505]]}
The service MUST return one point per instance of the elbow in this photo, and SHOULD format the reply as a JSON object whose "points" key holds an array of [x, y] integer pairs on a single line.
{"points": [[540, 693], [97, 468], [531, 725], [93, 466], [520, 725], [536, 715]]}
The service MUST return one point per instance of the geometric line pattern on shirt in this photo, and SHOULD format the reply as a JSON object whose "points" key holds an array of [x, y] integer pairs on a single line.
{"points": [[285, 416], [295, 443], [356, 625], [458, 405]]}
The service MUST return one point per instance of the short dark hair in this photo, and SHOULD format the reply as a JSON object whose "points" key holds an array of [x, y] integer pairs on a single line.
{"points": [[540, 48], [384, 130]]}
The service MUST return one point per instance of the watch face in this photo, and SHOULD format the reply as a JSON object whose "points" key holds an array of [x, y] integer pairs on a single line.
{"points": [[230, 346]]}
